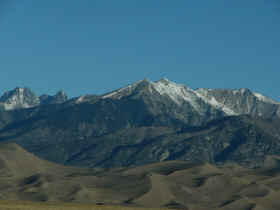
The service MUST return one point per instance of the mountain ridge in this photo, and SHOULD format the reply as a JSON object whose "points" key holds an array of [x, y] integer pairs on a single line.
{"points": [[149, 122], [22, 98], [179, 93], [175, 91]]}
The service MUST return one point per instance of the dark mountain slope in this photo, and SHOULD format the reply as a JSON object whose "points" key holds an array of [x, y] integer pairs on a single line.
{"points": [[91, 140], [58, 98]]}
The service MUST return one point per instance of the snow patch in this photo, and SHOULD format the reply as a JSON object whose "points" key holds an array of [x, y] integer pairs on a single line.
{"points": [[177, 92], [80, 99], [17, 100], [243, 90], [12, 106], [264, 98], [235, 92], [180, 93], [203, 94], [119, 93]]}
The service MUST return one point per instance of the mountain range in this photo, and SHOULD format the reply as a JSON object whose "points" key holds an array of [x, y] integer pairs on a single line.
{"points": [[143, 123]]}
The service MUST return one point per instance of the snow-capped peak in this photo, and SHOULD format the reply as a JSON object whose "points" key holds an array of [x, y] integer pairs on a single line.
{"points": [[118, 94], [227, 101], [80, 99], [164, 80], [177, 92], [19, 98]]}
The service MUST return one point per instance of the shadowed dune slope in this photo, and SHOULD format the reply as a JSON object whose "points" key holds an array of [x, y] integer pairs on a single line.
{"points": [[172, 184]]}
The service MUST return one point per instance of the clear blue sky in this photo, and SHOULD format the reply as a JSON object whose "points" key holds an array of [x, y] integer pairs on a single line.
{"points": [[94, 46]]}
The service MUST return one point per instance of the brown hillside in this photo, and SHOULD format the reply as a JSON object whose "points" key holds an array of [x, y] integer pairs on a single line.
{"points": [[173, 184]]}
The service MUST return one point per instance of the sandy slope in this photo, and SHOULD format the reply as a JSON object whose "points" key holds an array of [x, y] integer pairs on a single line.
{"points": [[174, 184]]}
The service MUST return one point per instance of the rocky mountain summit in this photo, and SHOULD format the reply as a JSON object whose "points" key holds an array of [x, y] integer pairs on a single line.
{"points": [[242, 101], [21, 98], [226, 102], [145, 122], [59, 98]]}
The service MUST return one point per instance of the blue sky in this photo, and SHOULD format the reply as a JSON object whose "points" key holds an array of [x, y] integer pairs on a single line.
{"points": [[94, 46]]}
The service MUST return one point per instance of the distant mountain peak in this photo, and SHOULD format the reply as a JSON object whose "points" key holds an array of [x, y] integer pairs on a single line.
{"points": [[61, 92], [230, 102], [163, 80], [162, 86], [61, 96], [58, 98], [20, 89], [127, 90], [245, 90], [19, 98], [177, 92]]}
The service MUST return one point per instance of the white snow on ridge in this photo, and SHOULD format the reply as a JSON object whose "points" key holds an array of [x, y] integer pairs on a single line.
{"points": [[235, 92], [16, 101], [118, 93], [12, 106], [203, 94], [180, 93], [109, 95], [81, 99], [176, 92], [264, 98]]}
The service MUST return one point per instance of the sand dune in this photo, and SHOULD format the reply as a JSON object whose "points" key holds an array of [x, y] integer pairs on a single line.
{"points": [[173, 184]]}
